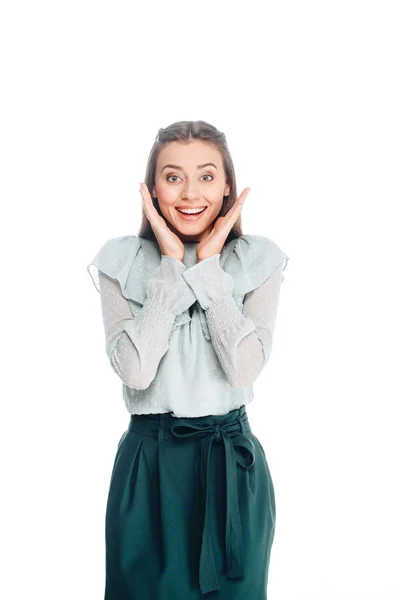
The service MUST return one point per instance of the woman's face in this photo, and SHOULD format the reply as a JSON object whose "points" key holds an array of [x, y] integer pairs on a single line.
{"points": [[185, 177]]}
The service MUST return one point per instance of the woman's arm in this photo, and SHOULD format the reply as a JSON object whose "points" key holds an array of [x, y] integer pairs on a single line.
{"points": [[135, 345], [242, 341]]}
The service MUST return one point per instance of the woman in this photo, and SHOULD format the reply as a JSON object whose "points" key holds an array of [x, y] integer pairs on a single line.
{"points": [[189, 307]]}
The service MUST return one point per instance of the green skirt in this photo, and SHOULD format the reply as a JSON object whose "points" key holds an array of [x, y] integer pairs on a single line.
{"points": [[190, 510]]}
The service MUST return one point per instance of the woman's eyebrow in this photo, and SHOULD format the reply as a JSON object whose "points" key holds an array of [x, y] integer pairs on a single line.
{"points": [[180, 168]]}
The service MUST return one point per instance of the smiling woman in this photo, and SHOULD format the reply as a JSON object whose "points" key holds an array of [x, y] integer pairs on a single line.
{"points": [[189, 308]]}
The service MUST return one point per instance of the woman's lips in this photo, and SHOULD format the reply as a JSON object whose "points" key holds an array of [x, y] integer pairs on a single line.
{"points": [[192, 217]]}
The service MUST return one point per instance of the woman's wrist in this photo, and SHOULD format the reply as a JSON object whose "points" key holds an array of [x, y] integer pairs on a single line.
{"points": [[178, 258]]}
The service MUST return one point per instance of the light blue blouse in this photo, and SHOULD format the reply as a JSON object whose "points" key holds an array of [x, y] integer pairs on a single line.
{"points": [[188, 337]]}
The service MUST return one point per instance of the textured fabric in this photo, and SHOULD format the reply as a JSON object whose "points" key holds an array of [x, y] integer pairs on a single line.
{"points": [[242, 346], [191, 509], [188, 337], [135, 345]]}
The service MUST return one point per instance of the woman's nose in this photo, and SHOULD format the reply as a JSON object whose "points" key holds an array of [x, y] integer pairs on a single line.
{"points": [[189, 195], [190, 190]]}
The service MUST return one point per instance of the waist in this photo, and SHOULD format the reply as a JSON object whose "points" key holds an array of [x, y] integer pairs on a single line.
{"points": [[166, 427], [176, 394]]}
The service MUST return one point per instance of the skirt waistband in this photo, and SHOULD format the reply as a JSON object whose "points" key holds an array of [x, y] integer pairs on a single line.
{"points": [[166, 427], [229, 429]]}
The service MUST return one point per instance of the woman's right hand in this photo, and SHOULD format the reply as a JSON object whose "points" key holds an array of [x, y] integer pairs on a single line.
{"points": [[169, 242]]}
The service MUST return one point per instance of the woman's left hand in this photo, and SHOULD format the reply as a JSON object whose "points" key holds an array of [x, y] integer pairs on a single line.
{"points": [[214, 243]]}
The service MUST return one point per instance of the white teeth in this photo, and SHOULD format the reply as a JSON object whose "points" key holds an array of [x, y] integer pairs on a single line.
{"points": [[191, 211]]}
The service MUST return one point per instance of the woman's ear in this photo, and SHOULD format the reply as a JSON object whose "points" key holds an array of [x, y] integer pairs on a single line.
{"points": [[227, 190]]}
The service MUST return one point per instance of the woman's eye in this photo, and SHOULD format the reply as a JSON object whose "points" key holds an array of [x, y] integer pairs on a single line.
{"points": [[169, 177]]}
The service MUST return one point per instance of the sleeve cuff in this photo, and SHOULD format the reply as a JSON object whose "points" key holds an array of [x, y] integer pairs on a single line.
{"points": [[209, 281], [167, 287], [176, 264]]}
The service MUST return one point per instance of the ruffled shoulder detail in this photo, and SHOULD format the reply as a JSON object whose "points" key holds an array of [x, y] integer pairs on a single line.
{"points": [[116, 259], [132, 260], [250, 260]]}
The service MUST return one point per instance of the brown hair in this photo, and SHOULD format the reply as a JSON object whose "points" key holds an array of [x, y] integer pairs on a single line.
{"points": [[186, 131]]}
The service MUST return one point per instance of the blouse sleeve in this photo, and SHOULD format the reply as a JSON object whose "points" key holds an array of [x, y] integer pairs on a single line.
{"points": [[135, 345], [242, 341]]}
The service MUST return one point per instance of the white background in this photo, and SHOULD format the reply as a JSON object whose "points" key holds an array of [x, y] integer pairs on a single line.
{"points": [[307, 94]]}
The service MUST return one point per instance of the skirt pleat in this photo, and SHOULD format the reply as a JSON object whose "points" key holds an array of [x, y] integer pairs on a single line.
{"points": [[190, 511]]}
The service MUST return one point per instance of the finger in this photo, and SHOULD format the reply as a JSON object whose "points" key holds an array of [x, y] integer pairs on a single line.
{"points": [[148, 204], [144, 190], [233, 214], [243, 196]]}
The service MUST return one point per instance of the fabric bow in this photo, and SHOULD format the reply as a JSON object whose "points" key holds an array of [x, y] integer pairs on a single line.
{"points": [[239, 448]]}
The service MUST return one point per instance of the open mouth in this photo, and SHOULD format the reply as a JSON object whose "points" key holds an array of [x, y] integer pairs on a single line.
{"points": [[191, 216]]}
